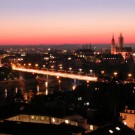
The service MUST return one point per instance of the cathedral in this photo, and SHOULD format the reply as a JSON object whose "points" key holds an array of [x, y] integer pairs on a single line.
{"points": [[126, 52]]}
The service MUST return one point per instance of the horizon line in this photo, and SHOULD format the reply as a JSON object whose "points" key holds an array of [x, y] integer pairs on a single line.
{"points": [[62, 44]]}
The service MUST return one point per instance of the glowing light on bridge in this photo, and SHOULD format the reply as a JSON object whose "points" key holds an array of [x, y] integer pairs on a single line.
{"points": [[60, 74]]}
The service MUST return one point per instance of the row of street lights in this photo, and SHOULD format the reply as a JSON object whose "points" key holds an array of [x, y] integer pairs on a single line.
{"points": [[70, 69], [52, 67], [116, 73]]}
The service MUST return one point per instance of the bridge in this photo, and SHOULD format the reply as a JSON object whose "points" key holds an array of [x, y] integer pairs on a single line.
{"points": [[57, 74]]}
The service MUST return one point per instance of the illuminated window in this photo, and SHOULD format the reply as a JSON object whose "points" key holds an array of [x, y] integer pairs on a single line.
{"points": [[69, 58], [91, 127], [117, 128], [79, 98], [110, 131], [66, 121], [42, 118], [32, 117], [53, 120]]}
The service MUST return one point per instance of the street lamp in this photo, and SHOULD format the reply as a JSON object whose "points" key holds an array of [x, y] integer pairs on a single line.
{"points": [[91, 71], [29, 64], [80, 69], [36, 65], [52, 67], [70, 68], [129, 75], [61, 67], [115, 73], [102, 72], [73, 87], [44, 66]]}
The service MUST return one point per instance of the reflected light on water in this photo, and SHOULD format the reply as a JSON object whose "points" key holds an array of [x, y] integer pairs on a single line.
{"points": [[46, 92], [46, 84]]}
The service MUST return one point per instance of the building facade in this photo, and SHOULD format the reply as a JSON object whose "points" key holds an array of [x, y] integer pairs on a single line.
{"points": [[126, 52], [128, 117]]}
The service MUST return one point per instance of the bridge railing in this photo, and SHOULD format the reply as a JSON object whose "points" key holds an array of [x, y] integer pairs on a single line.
{"points": [[54, 73]]}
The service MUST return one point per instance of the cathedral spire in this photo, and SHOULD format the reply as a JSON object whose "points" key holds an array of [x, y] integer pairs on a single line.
{"points": [[120, 34], [121, 41], [113, 40], [113, 47]]}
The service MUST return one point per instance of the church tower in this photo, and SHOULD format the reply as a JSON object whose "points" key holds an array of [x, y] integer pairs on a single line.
{"points": [[121, 42], [113, 46]]}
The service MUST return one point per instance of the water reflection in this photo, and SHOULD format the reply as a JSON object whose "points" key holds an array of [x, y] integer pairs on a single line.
{"points": [[6, 93], [37, 88], [40, 85], [28, 95], [46, 88], [46, 91]]}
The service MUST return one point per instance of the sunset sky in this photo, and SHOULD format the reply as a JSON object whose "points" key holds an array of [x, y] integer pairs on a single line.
{"points": [[66, 21]]}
